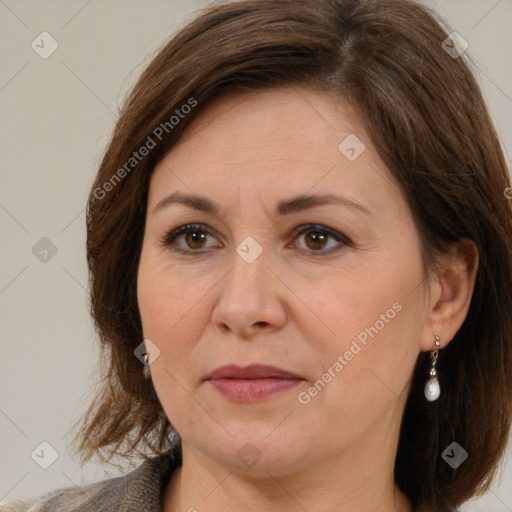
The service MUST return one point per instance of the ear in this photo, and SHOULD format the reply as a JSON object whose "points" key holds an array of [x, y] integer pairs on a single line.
{"points": [[450, 291]]}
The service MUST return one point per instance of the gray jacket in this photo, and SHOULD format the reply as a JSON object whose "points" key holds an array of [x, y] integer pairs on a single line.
{"points": [[138, 491]]}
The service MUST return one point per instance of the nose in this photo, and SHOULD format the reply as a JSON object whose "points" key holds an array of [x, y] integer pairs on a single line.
{"points": [[251, 299]]}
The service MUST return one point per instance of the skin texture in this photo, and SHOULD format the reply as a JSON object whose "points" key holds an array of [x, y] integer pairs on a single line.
{"points": [[289, 307]]}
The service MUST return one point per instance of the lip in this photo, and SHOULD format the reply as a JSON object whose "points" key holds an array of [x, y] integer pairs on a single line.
{"points": [[253, 371], [252, 383]]}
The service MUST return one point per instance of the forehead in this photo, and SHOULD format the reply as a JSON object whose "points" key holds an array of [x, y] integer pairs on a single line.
{"points": [[303, 117], [263, 144]]}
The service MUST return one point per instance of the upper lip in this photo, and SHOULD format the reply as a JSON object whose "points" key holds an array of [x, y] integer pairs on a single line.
{"points": [[253, 371]]}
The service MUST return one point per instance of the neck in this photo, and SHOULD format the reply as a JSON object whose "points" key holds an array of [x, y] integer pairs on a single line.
{"points": [[231, 493], [361, 478]]}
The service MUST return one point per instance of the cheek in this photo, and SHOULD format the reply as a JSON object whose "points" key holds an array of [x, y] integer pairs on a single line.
{"points": [[160, 294], [374, 315], [357, 383], [169, 310], [172, 311]]}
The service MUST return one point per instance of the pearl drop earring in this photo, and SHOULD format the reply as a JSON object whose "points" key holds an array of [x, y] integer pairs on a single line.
{"points": [[432, 388]]}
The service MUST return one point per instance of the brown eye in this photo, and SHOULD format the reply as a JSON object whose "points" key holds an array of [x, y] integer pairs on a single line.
{"points": [[315, 240], [317, 237], [188, 239], [195, 239]]}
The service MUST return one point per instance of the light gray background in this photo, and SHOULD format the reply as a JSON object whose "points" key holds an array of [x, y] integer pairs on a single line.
{"points": [[57, 115]]}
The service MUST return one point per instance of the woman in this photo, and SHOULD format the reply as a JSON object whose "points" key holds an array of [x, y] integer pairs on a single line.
{"points": [[300, 256]]}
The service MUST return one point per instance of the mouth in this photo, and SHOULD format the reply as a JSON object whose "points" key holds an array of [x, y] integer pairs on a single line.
{"points": [[253, 383]]}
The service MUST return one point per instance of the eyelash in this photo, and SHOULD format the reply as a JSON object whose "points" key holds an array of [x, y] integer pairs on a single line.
{"points": [[169, 239]]}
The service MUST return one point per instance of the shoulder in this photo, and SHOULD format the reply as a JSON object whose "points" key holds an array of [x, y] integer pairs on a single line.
{"points": [[138, 491]]}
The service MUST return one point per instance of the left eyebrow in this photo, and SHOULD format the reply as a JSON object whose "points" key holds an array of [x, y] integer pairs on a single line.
{"points": [[305, 202], [284, 207]]}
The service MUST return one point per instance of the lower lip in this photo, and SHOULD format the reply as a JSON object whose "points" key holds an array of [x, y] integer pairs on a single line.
{"points": [[253, 390]]}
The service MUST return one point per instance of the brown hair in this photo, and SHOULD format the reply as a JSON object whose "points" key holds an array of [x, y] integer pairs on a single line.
{"points": [[425, 114]]}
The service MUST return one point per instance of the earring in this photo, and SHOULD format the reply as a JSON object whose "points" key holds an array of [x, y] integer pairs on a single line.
{"points": [[432, 388], [146, 371]]}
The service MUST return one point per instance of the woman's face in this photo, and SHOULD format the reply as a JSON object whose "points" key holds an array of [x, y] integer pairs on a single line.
{"points": [[339, 307]]}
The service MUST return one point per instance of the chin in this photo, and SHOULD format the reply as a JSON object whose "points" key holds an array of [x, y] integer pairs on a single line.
{"points": [[252, 451]]}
